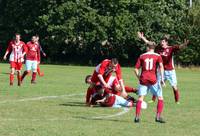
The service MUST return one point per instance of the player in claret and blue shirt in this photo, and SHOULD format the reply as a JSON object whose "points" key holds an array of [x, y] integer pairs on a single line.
{"points": [[148, 63], [167, 53]]}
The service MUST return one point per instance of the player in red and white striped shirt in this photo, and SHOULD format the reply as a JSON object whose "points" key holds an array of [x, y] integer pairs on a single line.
{"points": [[16, 48], [32, 58]]}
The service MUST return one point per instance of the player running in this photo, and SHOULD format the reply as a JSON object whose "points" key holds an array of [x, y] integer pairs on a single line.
{"points": [[167, 53], [16, 48], [32, 58], [148, 81]]}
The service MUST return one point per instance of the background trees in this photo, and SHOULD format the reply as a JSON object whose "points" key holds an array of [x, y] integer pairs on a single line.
{"points": [[86, 31]]}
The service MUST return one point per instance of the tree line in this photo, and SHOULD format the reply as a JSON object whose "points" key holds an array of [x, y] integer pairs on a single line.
{"points": [[87, 31]]}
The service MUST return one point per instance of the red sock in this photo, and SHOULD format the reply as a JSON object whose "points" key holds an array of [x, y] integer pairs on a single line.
{"points": [[38, 70], [176, 95], [159, 108], [154, 98], [138, 108], [19, 78], [130, 89], [11, 78], [34, 76], [24, 74]]}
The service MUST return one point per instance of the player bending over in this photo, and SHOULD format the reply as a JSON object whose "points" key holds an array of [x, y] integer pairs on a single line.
{"points": [[103, 72], [114, 88]]}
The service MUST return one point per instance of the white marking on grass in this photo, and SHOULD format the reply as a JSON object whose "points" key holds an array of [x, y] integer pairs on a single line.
{"points": [[39, 98], [125, 110]]}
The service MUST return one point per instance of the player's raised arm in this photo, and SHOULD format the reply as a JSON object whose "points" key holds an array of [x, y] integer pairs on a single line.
{"points": [[185, 44], [141, 36]]}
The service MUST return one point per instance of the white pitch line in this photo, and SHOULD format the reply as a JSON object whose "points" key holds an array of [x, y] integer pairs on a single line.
{"points": [[38, 98], [125, 110]]}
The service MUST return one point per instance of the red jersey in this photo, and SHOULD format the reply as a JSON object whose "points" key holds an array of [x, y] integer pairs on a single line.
{"points": [[167, 56], [16, 49], [32, 51], [148, 61], [110, 100], [106, 71]]}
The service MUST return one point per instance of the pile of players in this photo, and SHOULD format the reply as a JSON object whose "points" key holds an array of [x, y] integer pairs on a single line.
{"points": [[152, 69], [18, 50]]}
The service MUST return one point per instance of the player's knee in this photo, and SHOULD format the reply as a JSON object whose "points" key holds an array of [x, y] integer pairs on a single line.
{"points": [[141, 98], [160, 98]]}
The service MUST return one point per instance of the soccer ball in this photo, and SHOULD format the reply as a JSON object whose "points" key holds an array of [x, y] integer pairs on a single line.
{"points": [[144, 105]]}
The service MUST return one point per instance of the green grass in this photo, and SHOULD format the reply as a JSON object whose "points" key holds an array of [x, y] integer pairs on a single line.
{"points": [[22, 114]]}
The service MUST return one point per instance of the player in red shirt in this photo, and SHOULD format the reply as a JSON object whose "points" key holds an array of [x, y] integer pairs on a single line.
{"points": [[102, 73], [148, 63], [114, 88], [167, 53], [32, 58], [16, 48]]}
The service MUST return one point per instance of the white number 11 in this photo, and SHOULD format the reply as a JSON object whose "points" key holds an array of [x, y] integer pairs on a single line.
{"points": [[149, 63]]}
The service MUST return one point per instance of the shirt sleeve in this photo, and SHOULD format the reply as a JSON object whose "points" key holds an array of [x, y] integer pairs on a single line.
{"points": [[24, 48], [38, 53], [160, 59], [138, 63], [175, 48], [118, 72], [9, 49], [102, 67]]}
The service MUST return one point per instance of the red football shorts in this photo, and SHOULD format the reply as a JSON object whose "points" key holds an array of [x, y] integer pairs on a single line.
{"points": [[16, 65]]}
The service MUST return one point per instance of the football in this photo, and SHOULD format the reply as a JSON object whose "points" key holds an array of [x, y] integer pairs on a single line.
{"points": [[144, 105]]}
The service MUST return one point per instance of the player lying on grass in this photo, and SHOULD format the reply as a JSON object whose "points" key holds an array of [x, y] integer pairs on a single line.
{"points": [[102, 73], [107, 99], [166, 51], [114, 88]]}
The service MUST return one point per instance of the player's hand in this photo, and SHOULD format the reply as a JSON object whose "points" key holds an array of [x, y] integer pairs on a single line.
{"points": [[38, 62], [4, 57], [186, 42], [163, 83], [140, 34], [44, 54], [106, 86]]}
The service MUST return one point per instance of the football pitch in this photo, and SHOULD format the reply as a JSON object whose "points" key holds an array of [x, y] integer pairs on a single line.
{"points": [[55, 106]]}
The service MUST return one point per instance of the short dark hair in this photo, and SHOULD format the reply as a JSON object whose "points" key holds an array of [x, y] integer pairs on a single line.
{"points": [[18, 34], [114, 61], [87, 77], [98, 87], [165, 37]]}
